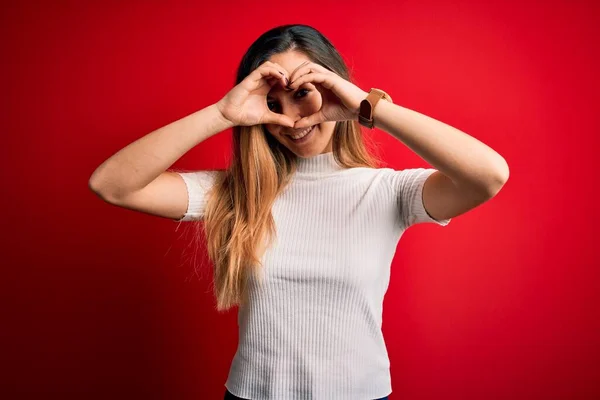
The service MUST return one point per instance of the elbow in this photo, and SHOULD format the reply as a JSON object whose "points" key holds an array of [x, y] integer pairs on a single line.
{"points": [[95, 185], [500, 177], [92, 185], [504, 171]]}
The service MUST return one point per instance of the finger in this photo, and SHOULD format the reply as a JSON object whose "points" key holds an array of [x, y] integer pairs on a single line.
{"points": [[324, 79], [263, 73], [273, 80], [311, 120], [298, 68], [279, 119], [281, 69], [307, 67]]}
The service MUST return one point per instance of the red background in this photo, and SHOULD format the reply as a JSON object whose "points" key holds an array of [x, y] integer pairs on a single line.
{"points": [[100, 302]]}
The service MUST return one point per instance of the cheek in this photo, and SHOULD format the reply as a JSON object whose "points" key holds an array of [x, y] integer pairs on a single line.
{"points": [[272, 129]]}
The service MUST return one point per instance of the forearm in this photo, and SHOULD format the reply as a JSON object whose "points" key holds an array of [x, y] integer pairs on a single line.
{"points": [[140, 162], [462, 158]]}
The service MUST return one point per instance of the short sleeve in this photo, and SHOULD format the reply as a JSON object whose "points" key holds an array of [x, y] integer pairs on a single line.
{"points": [[198, 183], [408, 188]]}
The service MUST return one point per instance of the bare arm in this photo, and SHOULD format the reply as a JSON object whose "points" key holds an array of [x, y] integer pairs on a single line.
{"points": [[136, 176], [141, 162]]}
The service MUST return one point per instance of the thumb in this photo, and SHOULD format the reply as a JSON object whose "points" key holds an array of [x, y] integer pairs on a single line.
{"points": [[279, 119], [309, 121]]}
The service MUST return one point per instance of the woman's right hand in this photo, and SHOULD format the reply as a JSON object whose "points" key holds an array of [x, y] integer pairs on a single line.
{"points": [[246, 103]]}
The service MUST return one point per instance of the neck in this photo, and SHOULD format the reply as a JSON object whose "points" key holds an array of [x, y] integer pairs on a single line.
{"points": [[321, 163]]}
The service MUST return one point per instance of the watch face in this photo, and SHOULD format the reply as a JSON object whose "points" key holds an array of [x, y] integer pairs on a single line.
{"points": [[365, 109]]}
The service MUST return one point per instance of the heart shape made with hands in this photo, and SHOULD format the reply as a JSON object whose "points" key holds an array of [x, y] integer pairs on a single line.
{"points": [[340, 98]]}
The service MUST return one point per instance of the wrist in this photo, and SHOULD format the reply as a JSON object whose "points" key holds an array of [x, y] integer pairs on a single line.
{"points": [[379, 113], [226, 123], [356, 110], [369, 107]]}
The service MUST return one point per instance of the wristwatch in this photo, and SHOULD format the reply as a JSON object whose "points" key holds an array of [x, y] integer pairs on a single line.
{"points": [[365, 113]]}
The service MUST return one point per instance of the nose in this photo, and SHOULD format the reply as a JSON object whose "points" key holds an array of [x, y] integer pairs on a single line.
{"points": [[293, 110]]}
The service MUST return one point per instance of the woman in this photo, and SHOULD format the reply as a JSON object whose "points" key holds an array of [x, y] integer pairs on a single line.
{"points": [[302, 226]]}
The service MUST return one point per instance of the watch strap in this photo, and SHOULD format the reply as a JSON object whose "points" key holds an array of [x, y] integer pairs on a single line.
{"points": [[367, 106]]}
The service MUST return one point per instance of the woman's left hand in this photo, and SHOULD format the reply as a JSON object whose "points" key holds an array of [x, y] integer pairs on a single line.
{"points": [[341, 98]]}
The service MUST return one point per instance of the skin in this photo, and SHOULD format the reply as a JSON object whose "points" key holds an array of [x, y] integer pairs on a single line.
{"points": [[299, 103], [469, 172]]}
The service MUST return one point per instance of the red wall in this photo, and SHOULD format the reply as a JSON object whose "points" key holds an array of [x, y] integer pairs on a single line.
{"points": [[100, 302]]}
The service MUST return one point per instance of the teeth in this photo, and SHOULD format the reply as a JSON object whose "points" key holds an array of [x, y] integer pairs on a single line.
{"points": [[302, 134]]}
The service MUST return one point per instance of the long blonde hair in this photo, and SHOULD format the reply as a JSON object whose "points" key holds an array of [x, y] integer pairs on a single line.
{"points": [[238, 224]]}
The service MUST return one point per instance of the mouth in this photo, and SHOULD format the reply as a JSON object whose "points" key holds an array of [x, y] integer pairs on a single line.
{"points": [[302, 136]]}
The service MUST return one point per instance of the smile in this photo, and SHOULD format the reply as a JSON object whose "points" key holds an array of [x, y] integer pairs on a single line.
{"points": [[304, 134]]}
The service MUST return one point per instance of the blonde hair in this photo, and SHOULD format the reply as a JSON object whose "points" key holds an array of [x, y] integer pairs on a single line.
{"points": [[238, 224]]}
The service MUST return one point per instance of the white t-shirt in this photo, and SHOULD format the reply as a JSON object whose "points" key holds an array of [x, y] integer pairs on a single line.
{"points": [[312, 330]]}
